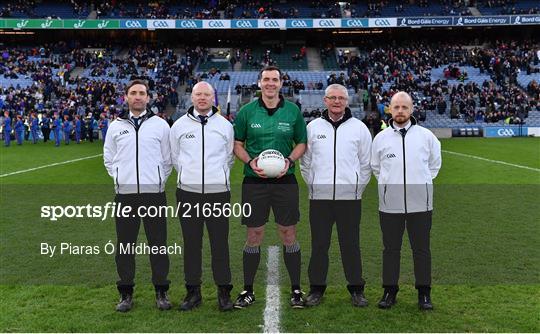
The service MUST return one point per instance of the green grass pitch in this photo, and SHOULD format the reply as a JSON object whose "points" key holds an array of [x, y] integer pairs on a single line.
{"points": [[485, 249]]}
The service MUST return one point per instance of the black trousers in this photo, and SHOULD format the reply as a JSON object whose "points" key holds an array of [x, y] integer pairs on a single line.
{"points": [[46, 134], [346, 215], [418, 229], [193, 229], [127, 231]]}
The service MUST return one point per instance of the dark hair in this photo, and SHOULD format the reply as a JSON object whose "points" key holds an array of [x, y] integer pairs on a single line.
{"points": [[270, 68], [137, 82]]}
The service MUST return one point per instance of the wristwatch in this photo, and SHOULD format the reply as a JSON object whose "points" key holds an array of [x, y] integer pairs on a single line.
{"points": [[291, 162]]}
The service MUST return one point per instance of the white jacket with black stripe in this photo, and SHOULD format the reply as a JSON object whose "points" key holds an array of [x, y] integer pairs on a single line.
{"points": [[138, 159], [405, 167], [335, 165], [202, 154]]}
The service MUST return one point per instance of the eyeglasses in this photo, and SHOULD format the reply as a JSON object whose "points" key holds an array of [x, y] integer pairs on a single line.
{"points": [[338, 98]]}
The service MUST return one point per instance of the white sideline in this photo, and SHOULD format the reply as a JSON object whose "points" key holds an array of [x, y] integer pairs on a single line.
{"points": [[50, 165], [490, 160], [272, 309]]}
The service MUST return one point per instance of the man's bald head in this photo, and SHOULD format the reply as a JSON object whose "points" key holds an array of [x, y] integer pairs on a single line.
{"points": [[202, 97], [201, 84], [401, 107], [402, 95]]}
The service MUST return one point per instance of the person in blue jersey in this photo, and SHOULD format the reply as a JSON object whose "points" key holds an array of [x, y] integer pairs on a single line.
{"points": [[90, 127], [19, 130], [7, 129], [104, 125], [67, 127], [57, 127], [34, 126], [78, 129]]}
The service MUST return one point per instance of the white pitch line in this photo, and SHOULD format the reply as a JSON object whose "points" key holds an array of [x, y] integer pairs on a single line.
{"points": [[490, 160], [272, 309], [50, 165]]}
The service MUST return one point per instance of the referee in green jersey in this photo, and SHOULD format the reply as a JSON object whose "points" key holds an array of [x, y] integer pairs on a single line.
{"points": [[270, 123]]}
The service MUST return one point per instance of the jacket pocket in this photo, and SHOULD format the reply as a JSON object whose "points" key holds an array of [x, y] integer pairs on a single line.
{"points": [[427, 197], [356, 187], [116, 181], [384, 195], [312, 186], [159, 178], [226, 178]]}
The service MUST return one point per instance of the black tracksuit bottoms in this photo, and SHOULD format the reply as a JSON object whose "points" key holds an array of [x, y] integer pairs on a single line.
{"points": [[127, 231], [418, 229], [192, 221], [346, 214]]}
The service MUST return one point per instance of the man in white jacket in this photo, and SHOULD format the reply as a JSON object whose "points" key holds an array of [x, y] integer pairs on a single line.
{"points": [[202, 144], [336, 170], [405, 158], [137, 156]]}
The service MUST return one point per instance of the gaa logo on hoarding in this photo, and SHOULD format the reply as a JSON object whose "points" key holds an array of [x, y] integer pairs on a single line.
{"points": [[243, 24], [133, 24], [298, 24], [354, 23], [188, 24], [382, 23], [160, 24], [216, 24], [326, 23], [271, 24], [505, 132]]}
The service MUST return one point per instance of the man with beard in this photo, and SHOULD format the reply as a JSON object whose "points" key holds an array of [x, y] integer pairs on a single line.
{"points": [[405, 158]]}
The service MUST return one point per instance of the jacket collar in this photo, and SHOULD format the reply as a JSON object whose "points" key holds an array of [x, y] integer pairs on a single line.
{"points": [[346, 116], [412, 119], [125, 115], [192, 115]]}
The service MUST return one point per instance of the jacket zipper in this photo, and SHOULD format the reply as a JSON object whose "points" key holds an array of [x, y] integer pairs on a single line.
{"points": [[404, 174], [335, 171], [137, 156], [202, 124]]}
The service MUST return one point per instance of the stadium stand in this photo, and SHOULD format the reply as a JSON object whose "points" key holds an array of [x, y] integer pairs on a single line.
{"points": [[232, 9], [452, 84]]}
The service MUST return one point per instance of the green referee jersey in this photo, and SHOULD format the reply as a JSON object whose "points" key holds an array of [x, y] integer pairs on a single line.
{"points": [[261, 131]]}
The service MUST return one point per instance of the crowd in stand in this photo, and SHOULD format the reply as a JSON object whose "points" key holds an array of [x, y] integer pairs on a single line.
{"points": [[28, 8], [409, 68], [236, 9], [378, 71], [89, 97], [508, 7]]}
